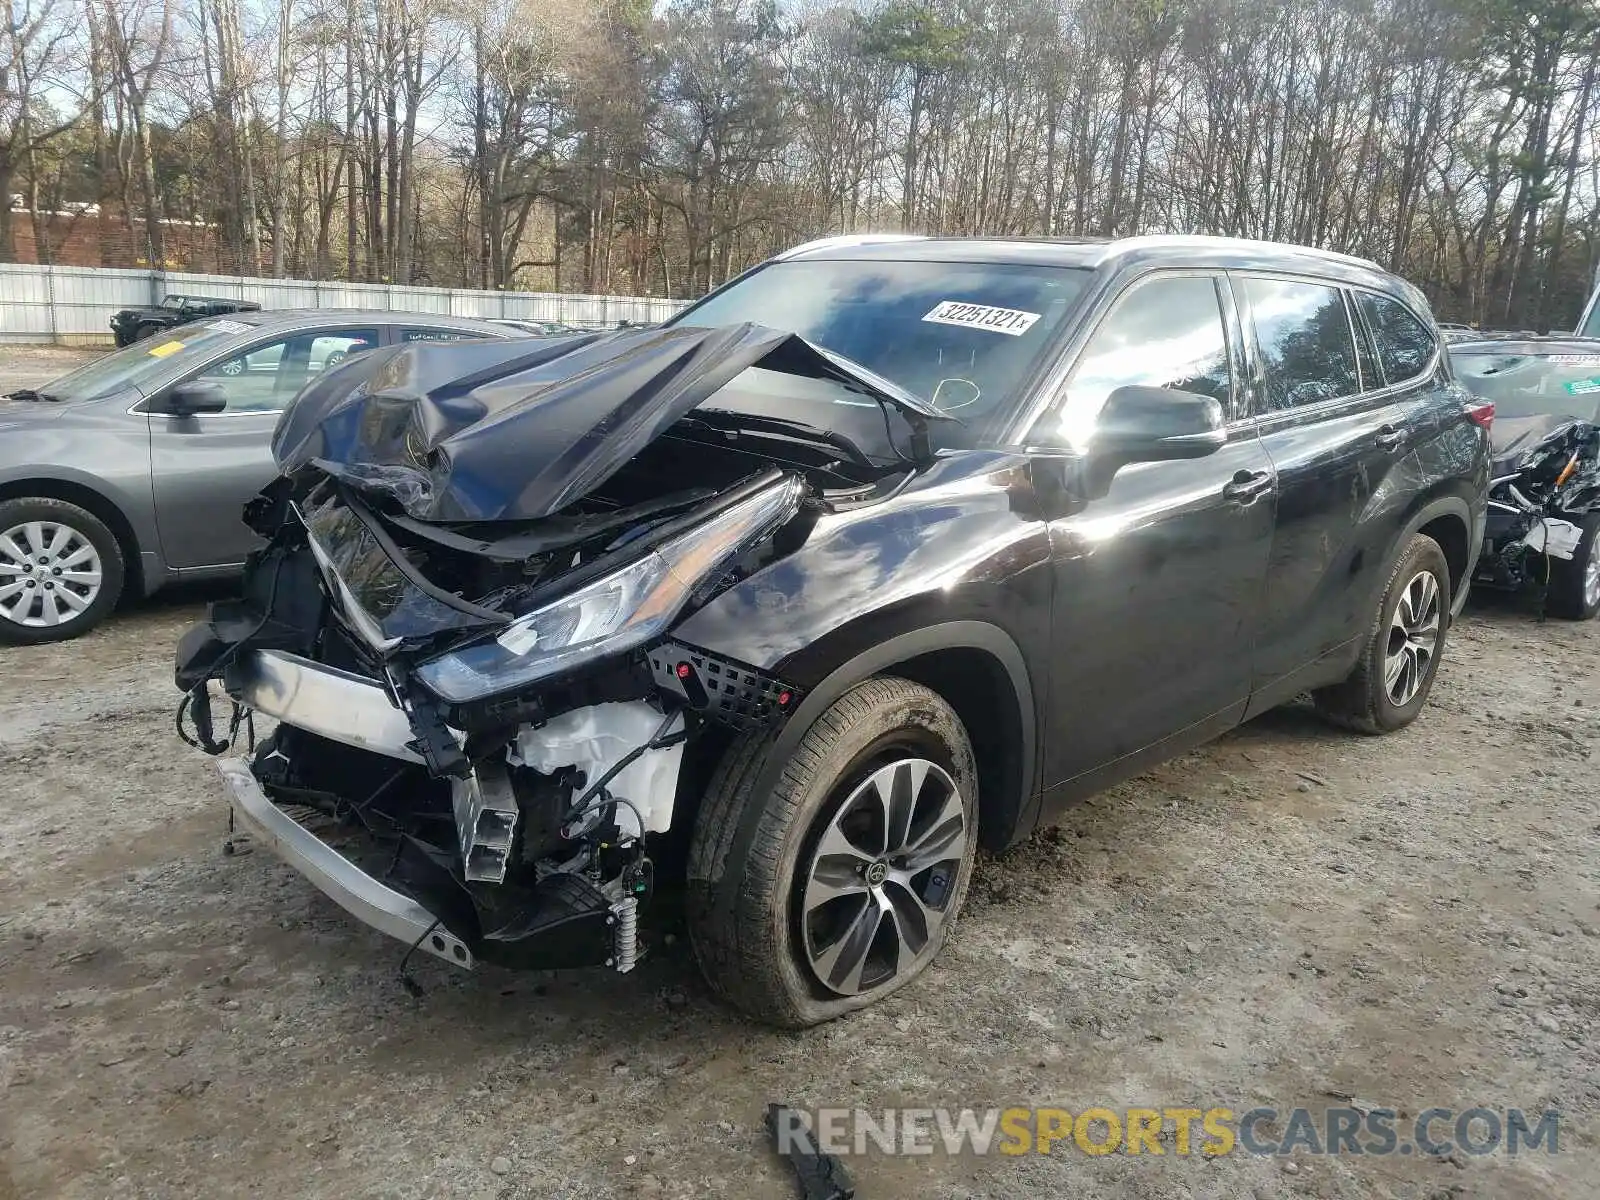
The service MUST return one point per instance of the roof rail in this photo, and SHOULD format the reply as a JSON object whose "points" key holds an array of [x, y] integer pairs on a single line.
{"points": [[843, 240], [1156, 241]]}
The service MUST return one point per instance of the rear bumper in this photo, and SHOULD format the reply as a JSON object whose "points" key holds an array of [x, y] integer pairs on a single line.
{"points": [[347, 885]]}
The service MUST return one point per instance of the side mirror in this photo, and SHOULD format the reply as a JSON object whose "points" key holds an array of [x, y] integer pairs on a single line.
{"points": [[1152, 424], [194, 398]]}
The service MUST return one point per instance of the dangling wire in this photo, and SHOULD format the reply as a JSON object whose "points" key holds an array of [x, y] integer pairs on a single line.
{"points": [[410, 984]]}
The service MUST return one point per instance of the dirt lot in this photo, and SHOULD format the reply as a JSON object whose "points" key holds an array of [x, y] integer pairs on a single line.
{"points": [[1288, 917], [35, 366]]}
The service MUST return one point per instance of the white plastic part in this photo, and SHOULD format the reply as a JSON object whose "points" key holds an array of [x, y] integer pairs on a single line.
{"points": [[593, 740], [1555, 537]]}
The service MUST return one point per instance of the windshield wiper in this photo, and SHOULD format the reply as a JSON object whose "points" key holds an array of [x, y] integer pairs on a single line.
{"points": [[756, 424], [28, 394]]}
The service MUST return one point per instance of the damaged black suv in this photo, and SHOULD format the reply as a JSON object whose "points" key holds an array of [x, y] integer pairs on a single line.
{"points": [[888, 549]]}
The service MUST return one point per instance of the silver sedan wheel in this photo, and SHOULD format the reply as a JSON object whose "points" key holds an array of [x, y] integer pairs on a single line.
{"points": [[50, 574], [1413, 639], [880, 882], [1591, 578]]}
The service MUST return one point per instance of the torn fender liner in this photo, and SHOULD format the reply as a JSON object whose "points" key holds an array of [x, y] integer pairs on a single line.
{"points": [[488, 431]]}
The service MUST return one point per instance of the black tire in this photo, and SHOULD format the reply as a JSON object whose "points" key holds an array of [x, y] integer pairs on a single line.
{"points": [[146, 330], [15, 513], [1364, 701], [1567, 595], [744, 905]]}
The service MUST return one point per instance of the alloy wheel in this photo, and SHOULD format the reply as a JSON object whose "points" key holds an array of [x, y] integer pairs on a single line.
{"points": [[880, 881], [50, 574], [1413, 639], [1591, 579]]}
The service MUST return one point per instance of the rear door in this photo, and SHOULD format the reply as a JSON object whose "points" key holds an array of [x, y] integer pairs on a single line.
{"points": [[1338, 437], [1160, 580], [205, 468]]}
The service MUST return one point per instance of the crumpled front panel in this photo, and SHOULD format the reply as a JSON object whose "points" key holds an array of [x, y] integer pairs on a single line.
{"points": [[517, 430], [397, 606]]}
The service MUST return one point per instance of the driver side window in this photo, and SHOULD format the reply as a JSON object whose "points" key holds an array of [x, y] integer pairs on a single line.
{"points": [[266, 377], [1165, 332]]}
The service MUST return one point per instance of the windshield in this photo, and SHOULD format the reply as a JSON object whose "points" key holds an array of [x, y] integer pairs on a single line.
{"points": [[961, 336], [172, 302], [1591, 325], [143, 361], [1560, 384]]}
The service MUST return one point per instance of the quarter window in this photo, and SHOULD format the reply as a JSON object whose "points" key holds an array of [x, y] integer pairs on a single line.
{"points": [[1307, 349], [1405, 344], [1166, 332]]}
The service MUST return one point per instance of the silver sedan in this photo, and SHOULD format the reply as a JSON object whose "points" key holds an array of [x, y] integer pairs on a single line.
{"points": [[131, 472]]}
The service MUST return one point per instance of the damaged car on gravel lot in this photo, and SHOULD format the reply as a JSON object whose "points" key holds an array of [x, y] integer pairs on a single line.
{"points": [[1544, 495], [804, 611]]}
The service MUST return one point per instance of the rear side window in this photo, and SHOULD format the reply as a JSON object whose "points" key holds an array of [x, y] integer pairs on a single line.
{"points": [[1165, 332], [1405, 344], [1307, 348]]}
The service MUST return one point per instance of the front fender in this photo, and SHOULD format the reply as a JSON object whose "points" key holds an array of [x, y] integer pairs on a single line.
{"points": [[955, 562]]}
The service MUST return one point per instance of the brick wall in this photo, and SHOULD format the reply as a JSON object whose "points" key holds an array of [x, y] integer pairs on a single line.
{"points": [[108, 238]]}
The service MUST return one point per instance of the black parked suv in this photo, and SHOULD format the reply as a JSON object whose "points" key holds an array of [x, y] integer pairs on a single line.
{"points": [[129, 325], [962, 532]]}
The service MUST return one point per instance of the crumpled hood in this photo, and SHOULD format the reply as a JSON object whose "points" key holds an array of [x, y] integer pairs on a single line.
{"points": [[1513, 439], [518, 430]]}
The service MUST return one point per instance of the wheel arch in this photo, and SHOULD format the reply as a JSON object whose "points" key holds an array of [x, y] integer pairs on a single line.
{"points": [[979, 670], [1447, 519], [99, 505]]}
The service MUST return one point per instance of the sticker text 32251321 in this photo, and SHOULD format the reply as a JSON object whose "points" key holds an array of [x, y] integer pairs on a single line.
{"points": [[1010, 321]]}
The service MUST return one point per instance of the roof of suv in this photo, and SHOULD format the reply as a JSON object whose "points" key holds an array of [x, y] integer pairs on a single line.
{"points": [[1090, 253]]}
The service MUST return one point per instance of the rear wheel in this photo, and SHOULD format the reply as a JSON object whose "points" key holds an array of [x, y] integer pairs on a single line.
{"points": [[1575, 582], [1398, 664], [61, 570], [849, 873]]}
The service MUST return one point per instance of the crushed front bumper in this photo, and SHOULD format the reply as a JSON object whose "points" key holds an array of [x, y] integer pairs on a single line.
{"points": [[331, 703], [347, 885]]}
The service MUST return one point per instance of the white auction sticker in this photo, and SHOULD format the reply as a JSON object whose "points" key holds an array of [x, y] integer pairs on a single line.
{"points": [[229, 327], [1012, 322]]}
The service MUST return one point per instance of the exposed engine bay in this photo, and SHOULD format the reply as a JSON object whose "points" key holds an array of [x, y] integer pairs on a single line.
{"points": [[1546, 479], [462, 618]]}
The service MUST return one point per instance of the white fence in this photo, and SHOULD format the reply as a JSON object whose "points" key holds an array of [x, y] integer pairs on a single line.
{"points": [[73, 305]]}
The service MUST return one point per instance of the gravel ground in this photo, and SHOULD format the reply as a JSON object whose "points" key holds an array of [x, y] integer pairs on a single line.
{"points": [[34, 366], [1290, 916]]}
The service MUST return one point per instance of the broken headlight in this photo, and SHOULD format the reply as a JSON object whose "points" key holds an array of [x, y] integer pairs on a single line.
{"points": [[619, 612]]}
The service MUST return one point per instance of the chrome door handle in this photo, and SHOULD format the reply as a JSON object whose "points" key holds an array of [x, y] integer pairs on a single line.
{"points": [[1389, 438], [1247, 485]]}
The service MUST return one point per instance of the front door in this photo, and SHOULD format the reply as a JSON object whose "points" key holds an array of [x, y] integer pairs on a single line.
{"points": [[1336, 436], [205, 468], [1159, 582]]}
